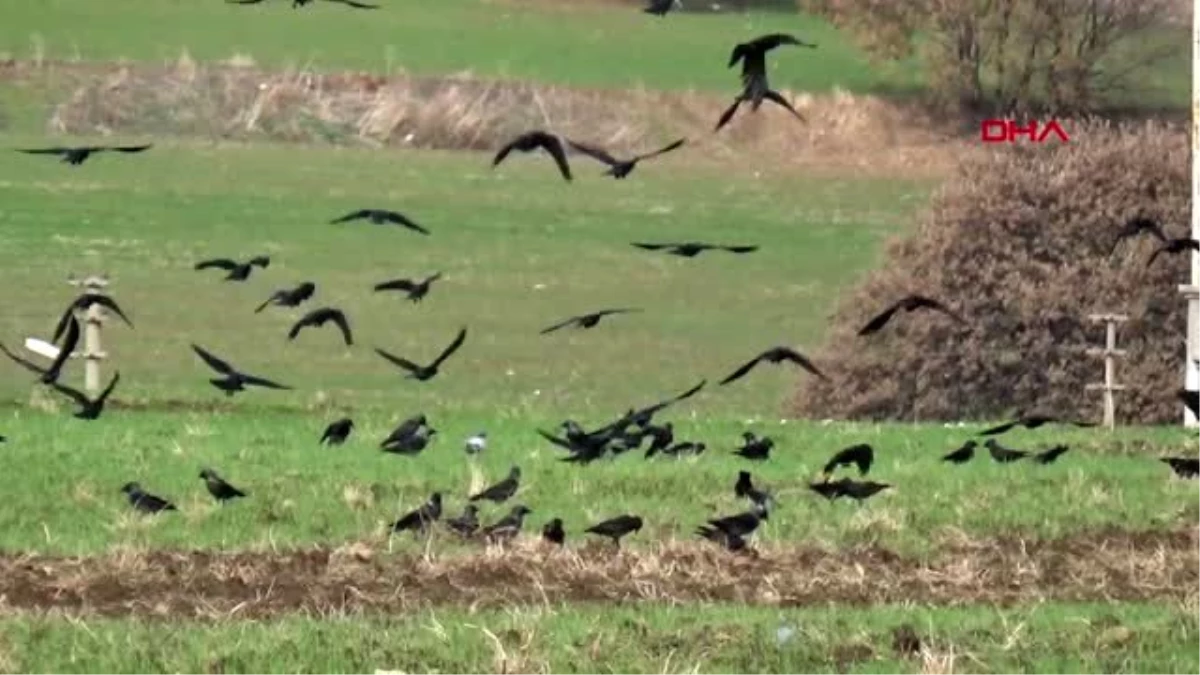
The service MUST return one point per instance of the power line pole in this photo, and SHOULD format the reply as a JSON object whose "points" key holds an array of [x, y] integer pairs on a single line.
{"points": [[93, 351]]}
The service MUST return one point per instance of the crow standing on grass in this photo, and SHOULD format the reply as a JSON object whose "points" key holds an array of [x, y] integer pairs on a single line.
{"points": [[144, 501], [337, 432], [500, 492], [755, 448], [419, 519], [466, 524], [218, 488], [553, 532], [615, 528], [1002, 454], [507, 527], [961, 455], [1051, 455]]}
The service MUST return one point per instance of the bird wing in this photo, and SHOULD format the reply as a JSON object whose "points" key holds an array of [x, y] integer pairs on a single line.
{"points": [[112, 384], [127, 148], [618, 310], [396, 285], [306, 320], [263, 261], [76, 395], [354, 215], [804, 362], [223, 263], [555, 148], [880, 320], [213, 362], [504, 151], [403, 363], [338, 317], [663, 150], [562, 443], [739, 51], [262, 382], [728, 114], [68, 346], [111, 305], [28, 365], [63, 322], [401, 219], [356, 5], [654, 247], [997, 430], [1153, 256], [561, 324], [45, 151], [929, 303], [740, 249], [775, 97], [742, 370], [594, 152], [458, 341]]}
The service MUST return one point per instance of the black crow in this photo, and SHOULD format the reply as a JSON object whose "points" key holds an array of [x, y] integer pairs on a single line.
{"points": [[643, 416], [732, 542], [319, 317], [1136, 226], [1031, 422], [860, 491], [144, 501], [410, 443], [70, 342], [233, 380], [908, 303], [532, 140], [861, 454], [963, 454], [507, 527], [741, 524], [337, 432], [1002, 454], [500, 492], [553, 532], [466, 524], [82, 303], [416, 290], [659, 7], [661, 437], [1049, 456], [218, 488], [615, 528], [238, 271], [1174, 246], [755, 448], [89, 409], [684, 448], [23, 362], [691, 249], [290, 297], [755, 87], [620, 168], [778, 354], [79, 155], [828, 489], [588, 320], [584, 449], [420, 518], [744, 487], [1184, 467], [1191, 399], [422, 373], [381, 217]]}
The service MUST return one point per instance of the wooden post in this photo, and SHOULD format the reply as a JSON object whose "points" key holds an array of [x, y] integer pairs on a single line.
{"points": [[1110, 353], [93, 351]]}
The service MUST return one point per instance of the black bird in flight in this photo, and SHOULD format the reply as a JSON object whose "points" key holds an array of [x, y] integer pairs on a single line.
{"points": [[89, 409], [1002, 454], [908, 303], [144, 501], [423, 373], [289, 297], [1049, 456], [416, 290], [961, 455], [238, 271], [70, 343], [507, 527], [755, 448], [500, 492], [861, 455], [620, 168], [319, 317], [381, 217], [233, 380], [755, 88], [584, 449], [420, 518], [615, 528], [685, 448], [643, 416], [532, 140], [466, 524], [1175, 246], [1136, 226], [1184, 467], [691, 249], [588, 320], [661, 437], [79, 155], [218, 488], [337, 432], [1031, 422], [1190, 398], [553, 532], [82, 304], [776, 355], [26, 363]]}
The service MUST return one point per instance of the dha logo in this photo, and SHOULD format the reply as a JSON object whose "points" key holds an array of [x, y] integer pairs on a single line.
{"points": [[1008, 131]]}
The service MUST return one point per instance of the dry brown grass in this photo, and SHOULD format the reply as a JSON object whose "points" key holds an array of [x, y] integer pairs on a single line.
{"points": [[466, 112], [1019, 243], [1109, 565]]}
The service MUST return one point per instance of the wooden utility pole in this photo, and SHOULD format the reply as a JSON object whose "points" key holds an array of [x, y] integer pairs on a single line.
{"points": [[93, 352], [1110, 353]]}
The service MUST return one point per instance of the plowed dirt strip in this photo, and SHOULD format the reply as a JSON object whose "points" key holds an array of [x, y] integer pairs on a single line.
{"points": [[1097, 566]]}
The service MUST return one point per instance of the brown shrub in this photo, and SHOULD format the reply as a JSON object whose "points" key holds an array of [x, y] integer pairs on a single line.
{"points": [[1019, 243]]}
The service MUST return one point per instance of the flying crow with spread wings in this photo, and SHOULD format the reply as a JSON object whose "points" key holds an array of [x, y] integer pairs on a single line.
{"points": [[78, 155], [1031, 422], [532, 140], [778, 354], [588, 320], [620, 168], [908, 303], [233, 380], [415, 289], [82, 304], [89, 409], [70, 342], [422, 373], [238, 271], [755, 88], [1174, 246], [319, 317], [691, 249], [1137, 226], [382, 217], [289, 297]]}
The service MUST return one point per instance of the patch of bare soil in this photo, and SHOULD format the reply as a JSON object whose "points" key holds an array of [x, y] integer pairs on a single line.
{"points": [[464, 112], [1109, 565]]}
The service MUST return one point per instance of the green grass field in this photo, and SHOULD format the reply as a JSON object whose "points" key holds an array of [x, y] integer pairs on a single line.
{"points": [[1090, 556]]}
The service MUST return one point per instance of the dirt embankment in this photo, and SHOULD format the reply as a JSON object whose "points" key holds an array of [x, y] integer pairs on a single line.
{"points": [[1111, 565]]}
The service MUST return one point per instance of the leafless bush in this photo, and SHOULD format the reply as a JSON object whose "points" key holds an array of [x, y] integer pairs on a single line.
{"points": [[1019, 243]]}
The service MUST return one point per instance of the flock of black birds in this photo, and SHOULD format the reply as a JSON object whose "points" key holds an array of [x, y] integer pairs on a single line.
{"points": [[628, 432]]}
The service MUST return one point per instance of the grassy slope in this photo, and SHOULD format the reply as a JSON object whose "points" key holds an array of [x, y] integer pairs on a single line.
{"points": [[646, 638]]}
